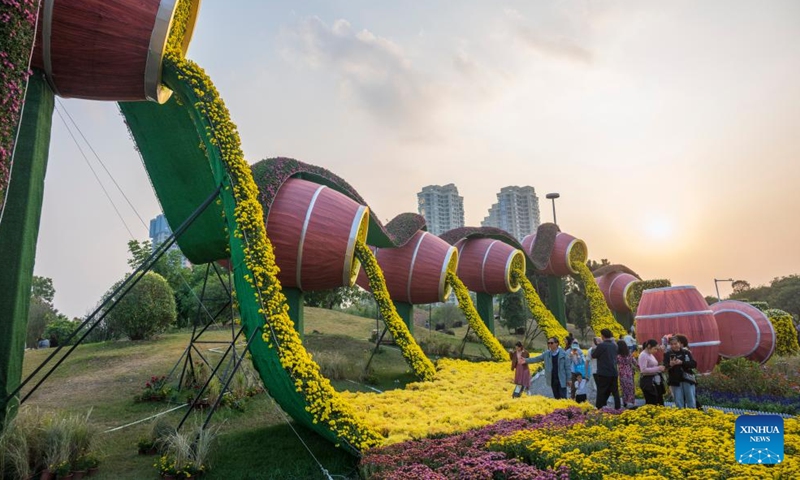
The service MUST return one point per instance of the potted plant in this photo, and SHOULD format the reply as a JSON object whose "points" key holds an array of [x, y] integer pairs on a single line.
{"points": [[80, 468], [92, 464], [166, 467], [146, 446], [62, 470]]}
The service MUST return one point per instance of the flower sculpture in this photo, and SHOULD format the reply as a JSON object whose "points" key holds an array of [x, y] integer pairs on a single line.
{"points": [[601, 316], [422, 366], [785, 333], [491, 343]]}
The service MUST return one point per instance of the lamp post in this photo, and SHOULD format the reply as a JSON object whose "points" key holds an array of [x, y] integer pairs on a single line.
{"points": [[553, 196], [717, 280]]}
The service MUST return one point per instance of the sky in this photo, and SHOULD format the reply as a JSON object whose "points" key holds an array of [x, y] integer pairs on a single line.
{"points": [[670, 129]]}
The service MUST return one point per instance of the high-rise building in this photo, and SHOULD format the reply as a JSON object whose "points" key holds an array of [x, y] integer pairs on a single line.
{"points": [[442, 207], [160, 231], [516, 211]]}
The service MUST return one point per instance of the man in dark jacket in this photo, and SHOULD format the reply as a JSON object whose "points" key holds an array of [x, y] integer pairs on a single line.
{"points": [[606, 377], [680, 364]]}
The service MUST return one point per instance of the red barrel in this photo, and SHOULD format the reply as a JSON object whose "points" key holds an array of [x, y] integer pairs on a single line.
{"points": [[615, 289], [314, 231], [485, 265], [670, 310], [565, 249], [416, 273], [106, 49], [744, 331]]}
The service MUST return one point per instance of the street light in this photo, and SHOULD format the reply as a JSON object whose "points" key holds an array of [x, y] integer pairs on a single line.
{"points": [[716, 280], [553, 196]]}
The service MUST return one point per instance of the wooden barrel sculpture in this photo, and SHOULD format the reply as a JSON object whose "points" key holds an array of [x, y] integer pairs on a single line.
{"points": [[314, 230], [416, 273], [670, 310], [107, 49], [565, 249], [744, 331], [615, 289], [485, 265]]}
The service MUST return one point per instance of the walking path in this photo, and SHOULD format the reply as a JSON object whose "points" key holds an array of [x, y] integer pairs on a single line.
{"points": [[539, 387]]}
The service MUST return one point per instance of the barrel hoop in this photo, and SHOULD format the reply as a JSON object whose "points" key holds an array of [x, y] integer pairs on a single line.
{"points": [[625, 295], [411, 267], [483, 264], [708, 343], [774, 338], [444, 291], [300, 244], [566, 255], [347, 276], [675, 314], [153, 90], [611, 287], [755, 327], [47, 54], [509, 261], [679, 287]]}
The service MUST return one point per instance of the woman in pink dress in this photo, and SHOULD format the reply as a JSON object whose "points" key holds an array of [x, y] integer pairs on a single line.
{"points": [[522, 374], [625, 368]]}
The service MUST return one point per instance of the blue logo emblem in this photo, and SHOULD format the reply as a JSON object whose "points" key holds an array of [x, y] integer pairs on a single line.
{"points": [[759, 439]]}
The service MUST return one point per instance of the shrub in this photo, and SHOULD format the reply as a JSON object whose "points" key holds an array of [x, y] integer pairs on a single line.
{"points": [[61, 329], [334, 365], [785, 332], [743, 377], [437, 348], [146, 310]]}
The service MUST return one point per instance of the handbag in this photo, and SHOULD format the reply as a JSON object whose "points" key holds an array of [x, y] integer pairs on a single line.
{"points": [[517, 391], [689, 377]]}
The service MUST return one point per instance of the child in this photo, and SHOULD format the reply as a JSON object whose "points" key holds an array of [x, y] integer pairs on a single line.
{"points": [[580, 388]]}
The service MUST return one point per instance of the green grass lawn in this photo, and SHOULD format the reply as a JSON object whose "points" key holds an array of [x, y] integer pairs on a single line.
{"points": [[260, 442]]}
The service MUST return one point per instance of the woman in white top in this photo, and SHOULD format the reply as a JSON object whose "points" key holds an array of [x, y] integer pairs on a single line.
{"points": [[651, 381]]}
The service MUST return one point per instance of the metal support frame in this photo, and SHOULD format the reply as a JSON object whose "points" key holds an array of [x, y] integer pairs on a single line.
{"points": [[111, 301]]}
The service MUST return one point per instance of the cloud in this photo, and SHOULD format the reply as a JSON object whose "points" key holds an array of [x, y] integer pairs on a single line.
{"points": [[552, 45], [372, 70], [558, 47]]}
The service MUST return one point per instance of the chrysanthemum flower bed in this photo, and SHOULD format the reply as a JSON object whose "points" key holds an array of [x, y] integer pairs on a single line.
{"points": [[462, 396], [650, 442], [463, 456]]}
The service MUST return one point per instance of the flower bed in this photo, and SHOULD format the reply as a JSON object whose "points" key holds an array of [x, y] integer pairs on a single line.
{"points": [[463, 396], [463, 456], [650, 442]]}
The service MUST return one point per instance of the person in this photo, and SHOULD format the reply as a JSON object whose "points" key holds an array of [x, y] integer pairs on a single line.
{"points": [[556, 367], [570, 338], [43, 343], [680, 367], [607, 375], [650, 381], [522, 374], [625, 366], [580, 388], [630, 342], [591, 368], [685, 344], [577, 366]]}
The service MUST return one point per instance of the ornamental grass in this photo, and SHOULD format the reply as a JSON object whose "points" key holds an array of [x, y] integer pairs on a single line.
{"points": [[491, 343], [650, 442], [463, 396], [601, 316]]}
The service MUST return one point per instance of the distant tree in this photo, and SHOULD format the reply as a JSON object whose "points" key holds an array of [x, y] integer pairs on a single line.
{"points": [[180, 278], [40, 314], [785, 294], [341, 297], [710, 299], [594, 265], [42, 288], [60, 329], [577, 306], [740, 286], [514, 311], [447, 314], [146, 310]]}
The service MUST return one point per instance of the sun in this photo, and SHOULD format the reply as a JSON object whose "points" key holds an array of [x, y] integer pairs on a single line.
{"points": [[659, 227]]}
